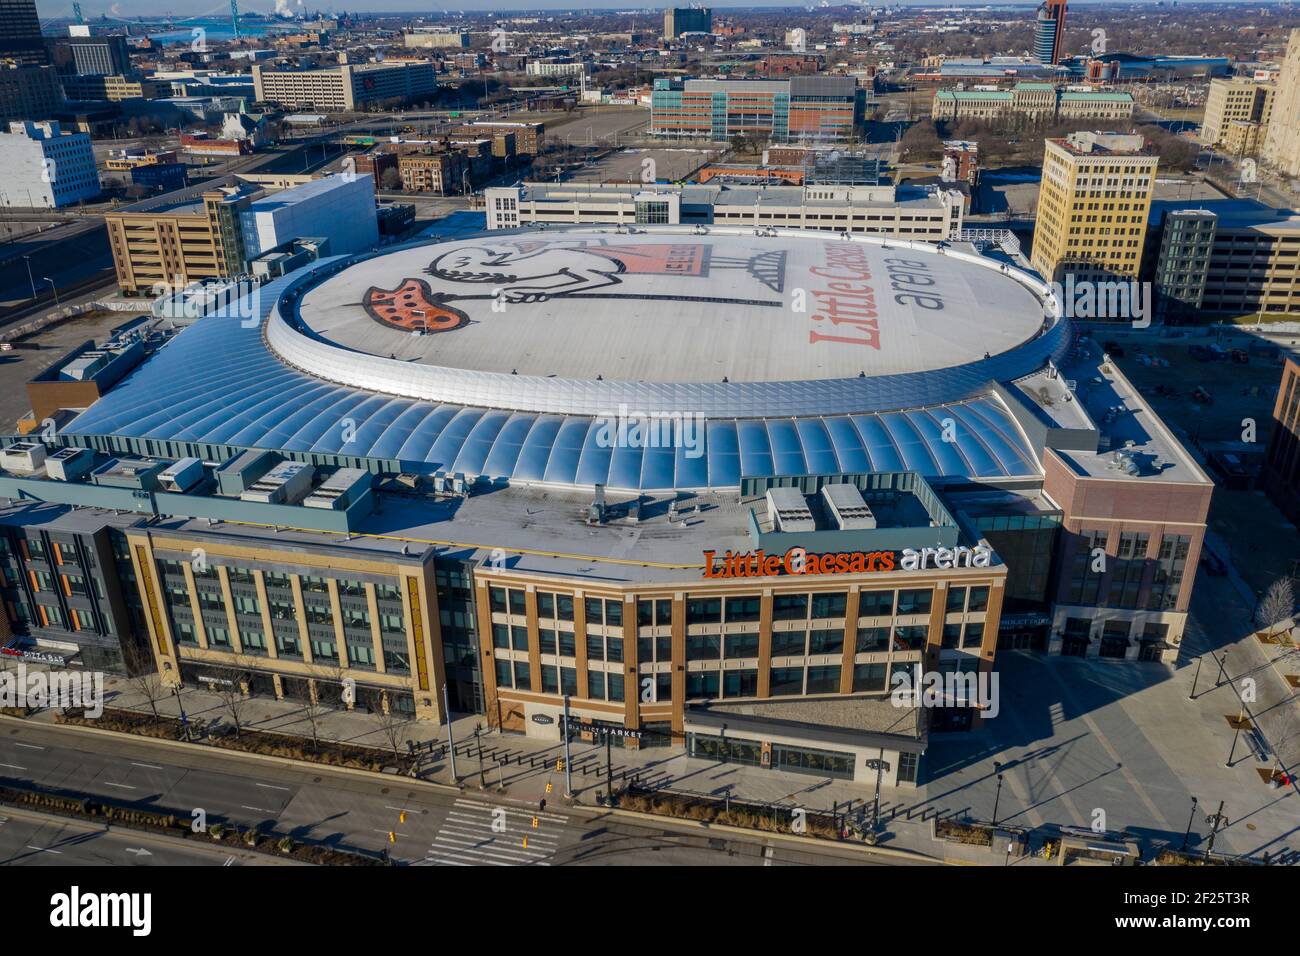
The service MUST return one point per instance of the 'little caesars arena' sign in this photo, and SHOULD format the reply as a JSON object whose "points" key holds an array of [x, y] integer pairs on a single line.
{"points": [[759, 564]]}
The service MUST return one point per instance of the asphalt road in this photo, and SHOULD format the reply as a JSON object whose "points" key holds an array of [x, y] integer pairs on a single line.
{"points": [[27, 840], [441, 827]]}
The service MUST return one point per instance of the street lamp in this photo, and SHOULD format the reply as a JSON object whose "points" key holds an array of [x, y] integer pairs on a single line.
{"points": [[28, 260], [1188, 835], [997, 768], [185, 721], [878, 765], [54, 288]]}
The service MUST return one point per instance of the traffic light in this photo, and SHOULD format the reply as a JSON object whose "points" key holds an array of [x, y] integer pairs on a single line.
{"points": [[559, 764], [548, 787], [401, 817], [525, 843], [392, 837], [535, 823]]}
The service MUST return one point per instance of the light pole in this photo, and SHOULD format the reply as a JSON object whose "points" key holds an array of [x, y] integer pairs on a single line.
{"points": [[451, 743], [30, 278], [1188, 835], [997, 767], [1241, 716], [54, 288], [878, 765], [1195, 677], [185, 721], [568, 764]]}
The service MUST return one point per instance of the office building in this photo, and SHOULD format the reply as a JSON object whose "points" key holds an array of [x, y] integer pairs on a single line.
{"points": [[1093, 204], [1237, 112], [21, 43], [679, 20], [29, 93], [175, 240], [1049, 31], [799, 109], [1281, 147], [921, 213], [44, 167], [104, 55], [1239, 253], [471, 508], [1031, 102], [113, 88], [1282, 463], [345, 87], [341, 207]]}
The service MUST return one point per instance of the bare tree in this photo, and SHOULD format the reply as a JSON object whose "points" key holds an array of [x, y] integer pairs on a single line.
{"points": [[393, 726], [1276, 606], [229, 686], [149, 686], [313, 711]]}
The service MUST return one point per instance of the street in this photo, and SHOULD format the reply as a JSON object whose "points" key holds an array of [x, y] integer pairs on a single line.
{"points": [[348, 811]]}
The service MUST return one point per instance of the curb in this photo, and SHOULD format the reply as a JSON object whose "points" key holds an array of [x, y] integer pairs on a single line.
{"points": [[187, 747], [810, 842], [40, 816]]}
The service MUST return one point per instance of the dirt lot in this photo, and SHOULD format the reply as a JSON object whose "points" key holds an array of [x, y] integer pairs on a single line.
{"points": [[1264, 544], [627, 165]]}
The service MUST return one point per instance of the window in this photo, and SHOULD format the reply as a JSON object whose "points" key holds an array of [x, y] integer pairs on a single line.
{"points": [[742, 609], [826, 642], [789, 643], [361, 655], [824, 680], [518, 637], [956, 600], [505, 674], [911, 638], [703, 647], [596, 685], [875, 603], [595, 647], [973, 636], [550, 679], [546, 638], [907, 765], [872, 639], [740, 684], [501, 636], [868, 677], [705, 611], [741, 645], [790, 607], [786, 681], [595, 609], [701, 685], [523, 677], [951, 636], [914, 601], [829, 605]]}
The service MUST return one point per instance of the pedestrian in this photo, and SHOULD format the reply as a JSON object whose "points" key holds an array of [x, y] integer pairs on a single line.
{"points": [[541, 805]]}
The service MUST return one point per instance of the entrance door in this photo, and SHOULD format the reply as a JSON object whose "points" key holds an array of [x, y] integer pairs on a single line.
{"points": [[1074, 645], [1113, 647], [1149, 651]]}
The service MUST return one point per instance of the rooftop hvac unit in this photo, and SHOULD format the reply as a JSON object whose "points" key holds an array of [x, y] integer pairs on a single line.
{"points": [[596, 510], [69, 464], [850, 510], [789, 510], [340, 489], [23, 457], [181, 475], [284, 484]]}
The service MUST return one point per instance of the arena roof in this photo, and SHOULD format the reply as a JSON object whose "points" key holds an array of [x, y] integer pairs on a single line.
{"points": [[655, 307], [264, 382]]}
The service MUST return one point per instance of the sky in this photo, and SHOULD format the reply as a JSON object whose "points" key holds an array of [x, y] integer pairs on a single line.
{"points": [[51, 9]]}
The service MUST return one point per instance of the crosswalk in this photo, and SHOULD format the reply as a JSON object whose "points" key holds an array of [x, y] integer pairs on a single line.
{"points": [[483, 834]]}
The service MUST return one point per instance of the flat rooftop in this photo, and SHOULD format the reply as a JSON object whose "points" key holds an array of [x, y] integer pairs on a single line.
{"points": [[673, 307]]}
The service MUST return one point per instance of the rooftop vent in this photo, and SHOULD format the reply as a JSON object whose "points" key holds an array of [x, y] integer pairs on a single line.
{"points": [[596, 510], [340, 489], [181, 475], [23, 457], [69, 464], [286, 483]]}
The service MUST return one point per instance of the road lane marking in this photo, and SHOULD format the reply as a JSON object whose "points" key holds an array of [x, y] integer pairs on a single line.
{"points": [[124, 786], [18, 743], [245, 806], [271, 786], [12, 766], [151, 766], [45, 849]]}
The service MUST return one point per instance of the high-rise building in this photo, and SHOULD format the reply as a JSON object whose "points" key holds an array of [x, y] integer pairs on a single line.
{"points": [[1282, 140], [28, 93], [20, 34], [1093, 205], [94, 55], [1237, 111], [679, 20], [1049, 29], [44, 167]]}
